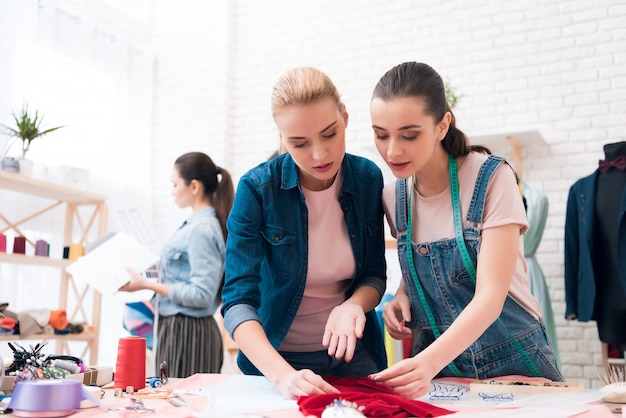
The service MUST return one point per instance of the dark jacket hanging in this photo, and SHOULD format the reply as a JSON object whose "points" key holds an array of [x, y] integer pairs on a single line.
{"points": [[595, 249]]}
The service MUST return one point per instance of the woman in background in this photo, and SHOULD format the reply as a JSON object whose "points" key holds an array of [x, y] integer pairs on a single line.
{"points": [[459, 220], [192, 270], [305, 261]]}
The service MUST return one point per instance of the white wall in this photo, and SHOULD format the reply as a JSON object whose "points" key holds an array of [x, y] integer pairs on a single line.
{"points": [[551, 66]]}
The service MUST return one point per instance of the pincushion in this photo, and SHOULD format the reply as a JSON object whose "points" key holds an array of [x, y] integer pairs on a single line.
{"points": [[341, 408]]}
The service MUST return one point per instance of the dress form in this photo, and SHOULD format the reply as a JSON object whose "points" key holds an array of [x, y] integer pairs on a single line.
{"points": [[610, 303]]}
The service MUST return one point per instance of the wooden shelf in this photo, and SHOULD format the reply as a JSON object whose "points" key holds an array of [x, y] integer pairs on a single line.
{"points": [[83, 336], [24, 184], [34, 260], [78, 204]]}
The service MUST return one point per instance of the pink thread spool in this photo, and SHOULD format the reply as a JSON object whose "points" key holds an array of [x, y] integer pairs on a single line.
{"points": [[3, 243], [19, 245], [41, 248]]}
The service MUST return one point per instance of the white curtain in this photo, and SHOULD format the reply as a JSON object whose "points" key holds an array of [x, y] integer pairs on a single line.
{"points": [[81, 71]]}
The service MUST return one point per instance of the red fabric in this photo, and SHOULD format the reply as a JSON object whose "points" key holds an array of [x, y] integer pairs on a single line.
{"points": [[58, 319], [379, 401], [8, 323]]}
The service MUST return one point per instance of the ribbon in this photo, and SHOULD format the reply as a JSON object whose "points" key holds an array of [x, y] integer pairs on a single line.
{"points": [[38, 398], [619, 163]]}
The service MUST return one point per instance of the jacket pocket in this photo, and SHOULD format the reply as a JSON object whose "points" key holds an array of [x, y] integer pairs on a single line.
{"points": [[281, 252], [174, 260]]}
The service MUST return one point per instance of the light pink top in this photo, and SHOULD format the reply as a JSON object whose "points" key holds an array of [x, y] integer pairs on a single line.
{"points": [[331, 266], [503, 206]]}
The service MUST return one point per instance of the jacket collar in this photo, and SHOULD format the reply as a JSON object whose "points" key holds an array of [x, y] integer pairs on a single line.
{"points": [[209, 210], [289, 178]]}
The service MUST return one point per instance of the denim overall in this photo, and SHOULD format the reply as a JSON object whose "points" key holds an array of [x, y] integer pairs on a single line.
{"points": [[448, 288]]}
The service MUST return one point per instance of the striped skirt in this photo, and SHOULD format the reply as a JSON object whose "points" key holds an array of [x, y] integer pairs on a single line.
{"points": [[189, 345]]}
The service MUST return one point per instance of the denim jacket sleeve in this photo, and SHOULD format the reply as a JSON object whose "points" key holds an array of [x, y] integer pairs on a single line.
{"points": [[244, 248]]}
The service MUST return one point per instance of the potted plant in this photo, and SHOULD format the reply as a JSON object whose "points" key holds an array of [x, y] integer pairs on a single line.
{"points": [[451, 96], [27, 127]]}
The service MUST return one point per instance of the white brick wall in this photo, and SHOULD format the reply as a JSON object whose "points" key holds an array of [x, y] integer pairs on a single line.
{"points": [[191, 39], [552, 66]]}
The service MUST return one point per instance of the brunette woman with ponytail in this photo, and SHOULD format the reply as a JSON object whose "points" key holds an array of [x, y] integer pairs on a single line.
{"points": [[458, 217], [192, 270]]}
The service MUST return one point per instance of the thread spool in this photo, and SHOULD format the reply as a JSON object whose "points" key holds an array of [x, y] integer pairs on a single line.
{"points": [[3, 243], [130, 367], [76, 250], [66, 365], [41, 248], [19, 245]]}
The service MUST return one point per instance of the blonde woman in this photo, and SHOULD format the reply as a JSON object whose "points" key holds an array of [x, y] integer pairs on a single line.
{"points": [[305, 262]]}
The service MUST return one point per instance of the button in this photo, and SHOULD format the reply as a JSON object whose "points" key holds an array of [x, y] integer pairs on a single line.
{"points": [[276, 238], [423, 251]]}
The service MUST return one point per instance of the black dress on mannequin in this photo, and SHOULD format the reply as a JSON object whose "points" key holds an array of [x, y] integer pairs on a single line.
{"points": [[610, 303]]}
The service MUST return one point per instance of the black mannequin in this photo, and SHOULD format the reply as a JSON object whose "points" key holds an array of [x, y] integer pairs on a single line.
{"points": [[610, 303]]}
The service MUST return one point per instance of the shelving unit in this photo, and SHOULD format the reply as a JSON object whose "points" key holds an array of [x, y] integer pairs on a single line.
{"points": [[76, 203]]}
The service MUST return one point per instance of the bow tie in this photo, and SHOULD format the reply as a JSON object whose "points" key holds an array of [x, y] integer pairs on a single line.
{"points": [[619, 163]]}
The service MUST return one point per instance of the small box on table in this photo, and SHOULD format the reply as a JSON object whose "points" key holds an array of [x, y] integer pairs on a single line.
{"points": [[92, 376]]}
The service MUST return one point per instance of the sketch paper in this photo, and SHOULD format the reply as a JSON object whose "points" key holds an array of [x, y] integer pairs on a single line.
{"points": [[455, 395], [260, 395], [104, 267]]}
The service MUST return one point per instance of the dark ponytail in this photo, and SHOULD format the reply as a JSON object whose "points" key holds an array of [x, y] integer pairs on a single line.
{"points": [[199, 166], [224, 196], [415, 79]]}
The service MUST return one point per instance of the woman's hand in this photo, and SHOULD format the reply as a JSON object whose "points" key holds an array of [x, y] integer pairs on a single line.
{"points": [[409, 378], [345, 324], [396, 313], [303, 383], [137, 282]]}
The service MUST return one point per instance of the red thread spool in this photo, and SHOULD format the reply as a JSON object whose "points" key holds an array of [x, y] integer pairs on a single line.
{"points": [[19, 245], [130, 368]]}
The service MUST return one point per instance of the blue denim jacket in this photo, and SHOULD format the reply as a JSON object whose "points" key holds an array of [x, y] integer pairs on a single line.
{"points": [[267, 247], [192, 262]]}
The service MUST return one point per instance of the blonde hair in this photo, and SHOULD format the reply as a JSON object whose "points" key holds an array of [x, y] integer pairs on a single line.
{"points": [[301, 86]]}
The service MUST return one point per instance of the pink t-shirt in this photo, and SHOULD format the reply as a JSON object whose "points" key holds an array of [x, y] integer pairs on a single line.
{"points": [[330, 269], [503, 206]]}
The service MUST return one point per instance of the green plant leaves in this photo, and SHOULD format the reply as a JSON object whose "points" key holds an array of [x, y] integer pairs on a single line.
{"points": [[27, 127]]}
